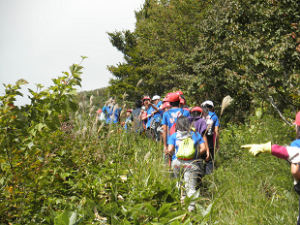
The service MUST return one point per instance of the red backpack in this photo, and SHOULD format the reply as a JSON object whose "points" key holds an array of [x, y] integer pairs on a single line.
{"points": [[172, 129]]}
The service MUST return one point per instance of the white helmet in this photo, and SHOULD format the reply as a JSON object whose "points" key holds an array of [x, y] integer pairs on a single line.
{"points": [[208, 103]]}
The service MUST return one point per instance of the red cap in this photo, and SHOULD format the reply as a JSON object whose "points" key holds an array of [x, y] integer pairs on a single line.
{"points": [[172, 97], [146, 98], [182, 101], [99, 111], [297, 120], [197, 109], [129, 110], [165, 105], [166, 98], [179, 92]]}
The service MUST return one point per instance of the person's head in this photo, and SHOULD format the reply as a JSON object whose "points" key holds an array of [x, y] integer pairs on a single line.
{"points": [[204, 110], [173, 99], [155, 99], [196, 111], [209, 104], [297, 123], [183, 124], [181, 101], [166, 106], [128, 112], [146, 101], [138, 104]]}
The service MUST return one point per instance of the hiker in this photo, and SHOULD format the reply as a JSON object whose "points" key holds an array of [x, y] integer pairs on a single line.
{"points": [[165, 107], [151, 110], [157, 116], [170, 117], [291, 153], [112, 112], [212, 134], [144, 117], [128, 120], [200, 126], [137, 123], [184, 165], [182, 103], [104, 114]]}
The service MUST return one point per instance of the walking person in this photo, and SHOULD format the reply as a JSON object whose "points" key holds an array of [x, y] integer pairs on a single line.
{"points": [[128, 120], [157, 116], [170, 117], [185, 165], [200, 126], [291, 153], [212, 134], [151, 109]]}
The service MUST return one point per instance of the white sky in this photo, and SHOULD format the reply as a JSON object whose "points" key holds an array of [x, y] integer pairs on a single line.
{"points": [[41, 38]]}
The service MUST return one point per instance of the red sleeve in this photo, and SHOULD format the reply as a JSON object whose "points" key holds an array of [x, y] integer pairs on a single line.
{"points": [[280, 152]]}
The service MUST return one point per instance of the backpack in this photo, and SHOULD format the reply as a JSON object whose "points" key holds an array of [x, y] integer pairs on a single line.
{"points": [[172, 129], [186, 150]]}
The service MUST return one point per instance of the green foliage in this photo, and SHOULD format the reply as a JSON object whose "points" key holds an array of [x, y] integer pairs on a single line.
{"points": [[102, 174], [210, 49], [258, 189], [100, 97]]}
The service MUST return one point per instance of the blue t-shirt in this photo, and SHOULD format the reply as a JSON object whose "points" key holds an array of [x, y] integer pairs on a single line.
{"points": [[170, 117], [109, 111], [126, 122], [149, 111], [296, 143], [215, 118], [172, 140], [157, 116]]}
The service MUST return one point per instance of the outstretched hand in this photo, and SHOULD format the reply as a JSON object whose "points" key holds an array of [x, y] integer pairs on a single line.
{"points": [[256, 149]]}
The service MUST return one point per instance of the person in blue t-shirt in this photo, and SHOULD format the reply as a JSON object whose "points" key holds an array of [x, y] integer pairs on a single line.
{"points": [[128, 120], [212, 134], [157, 116], [151, 109], [170, 117], [186, 169], [112, 112]]}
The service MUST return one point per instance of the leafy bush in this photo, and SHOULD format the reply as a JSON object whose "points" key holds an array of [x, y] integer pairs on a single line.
{"points": [[60, 165]]}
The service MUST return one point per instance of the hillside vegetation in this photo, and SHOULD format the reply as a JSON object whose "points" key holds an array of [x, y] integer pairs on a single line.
{"points": [[59, 165], [210, 49]]}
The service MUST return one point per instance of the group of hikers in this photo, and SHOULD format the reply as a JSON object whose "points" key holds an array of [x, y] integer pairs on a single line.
{"points": [[190, 135]]}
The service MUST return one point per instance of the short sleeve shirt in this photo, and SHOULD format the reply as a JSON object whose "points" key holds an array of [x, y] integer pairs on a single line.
{"points": [[149, 111], [170, 117], [157, 116], [215, 118], [296, 143], [172, 140]]}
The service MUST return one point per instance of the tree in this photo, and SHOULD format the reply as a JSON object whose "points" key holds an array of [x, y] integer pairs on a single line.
{"points": [[210, 49]]}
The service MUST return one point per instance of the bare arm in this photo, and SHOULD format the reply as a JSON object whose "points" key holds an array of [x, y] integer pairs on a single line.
{"points": [[202, 149], [171, 150], [295, 171], [206, 146], [165, 137], [154, 107], [217, 137]]}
